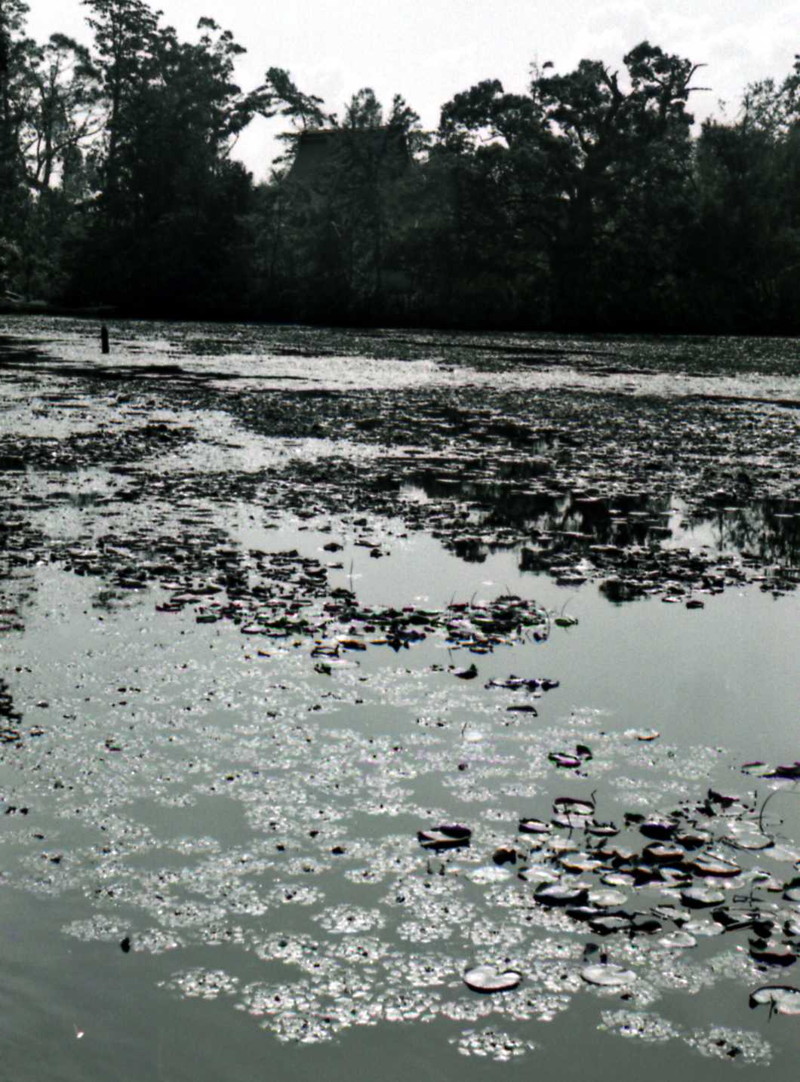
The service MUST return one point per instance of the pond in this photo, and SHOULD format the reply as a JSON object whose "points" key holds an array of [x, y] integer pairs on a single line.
{"points": [[397, 703]]}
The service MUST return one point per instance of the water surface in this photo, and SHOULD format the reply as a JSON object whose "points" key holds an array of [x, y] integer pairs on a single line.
{"points": [[209, 853]]}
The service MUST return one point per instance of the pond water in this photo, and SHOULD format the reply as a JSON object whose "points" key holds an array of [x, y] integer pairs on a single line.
{"points": [[336, 666]]}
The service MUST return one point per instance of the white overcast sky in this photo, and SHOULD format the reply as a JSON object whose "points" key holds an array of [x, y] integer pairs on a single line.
{"points": [[428, 50]]}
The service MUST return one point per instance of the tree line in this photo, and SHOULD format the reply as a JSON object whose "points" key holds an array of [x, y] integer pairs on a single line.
{"points": [[588, 202]]}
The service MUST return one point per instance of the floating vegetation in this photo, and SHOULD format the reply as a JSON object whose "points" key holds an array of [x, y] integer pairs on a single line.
{"points": [[202, 983], [226, 740], [608, 975], [718, 1042], [639, 1025], [492, 1044], [447, 836], [780, 998], [350, 919], [11, 731], [721, 1042], [489, 979]]}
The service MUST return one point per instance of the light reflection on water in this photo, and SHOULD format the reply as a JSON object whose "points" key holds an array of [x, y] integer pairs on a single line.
{"points": [[204, 713], [190, 784]]}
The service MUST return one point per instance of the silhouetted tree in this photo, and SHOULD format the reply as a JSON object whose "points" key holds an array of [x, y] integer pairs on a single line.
{"points": [[326, 229], [15, 50], [620, 155], [584, 202], [165, 221]]}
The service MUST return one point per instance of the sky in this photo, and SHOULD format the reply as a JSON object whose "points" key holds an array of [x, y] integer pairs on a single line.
{"points": [[428, 50]]}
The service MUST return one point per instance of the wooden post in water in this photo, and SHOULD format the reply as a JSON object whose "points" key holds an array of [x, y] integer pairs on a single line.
{"points": [[104, 339]]}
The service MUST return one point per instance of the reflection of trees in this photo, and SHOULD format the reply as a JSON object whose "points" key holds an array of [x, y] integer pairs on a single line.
{"points": [[625, 520], [17, 586], [767, 529]]}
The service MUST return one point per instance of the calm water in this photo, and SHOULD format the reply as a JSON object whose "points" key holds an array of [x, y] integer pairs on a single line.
{"points": [[209, 863]]}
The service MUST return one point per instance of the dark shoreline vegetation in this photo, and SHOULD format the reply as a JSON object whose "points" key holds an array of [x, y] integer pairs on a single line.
{"points": [[588, 203]]}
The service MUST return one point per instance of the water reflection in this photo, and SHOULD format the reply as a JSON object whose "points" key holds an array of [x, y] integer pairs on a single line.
{"points": [[763, 531]]}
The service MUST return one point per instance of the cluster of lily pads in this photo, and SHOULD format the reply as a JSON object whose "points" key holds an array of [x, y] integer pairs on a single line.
{"points": [[347, 923], [597, 508], [283, 605], [499, 466], [655, 875]]}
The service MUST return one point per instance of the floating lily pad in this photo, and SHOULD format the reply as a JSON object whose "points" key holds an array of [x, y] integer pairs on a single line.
{"points": [[772, 954], [488, 979], [534, 826], [446, 836], [658, 828], [656, 853], [490, 873], [780, 998], [715, 867], [606, 899], [645, 736], [679, 940], [558, 894], [757, 769], [564, 759], [743, 834], [567, 805], [608, 975], [701, 897], [609, 923], [601, 830]]}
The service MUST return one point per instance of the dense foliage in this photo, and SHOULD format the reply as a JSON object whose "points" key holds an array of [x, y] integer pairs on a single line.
{"points": [[591, 201]]}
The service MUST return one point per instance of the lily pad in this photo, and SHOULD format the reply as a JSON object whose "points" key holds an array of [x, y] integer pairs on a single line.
{"points": [[446, 836], [716, 867], [658, 828], [743, 834], [781, 998], [608, 975], [606, 898], [700, 897], [557, 894], [679, 940], [772, 954], [564, 759], [487, 979], [534, 826], [607, 924], [567, 805]]}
